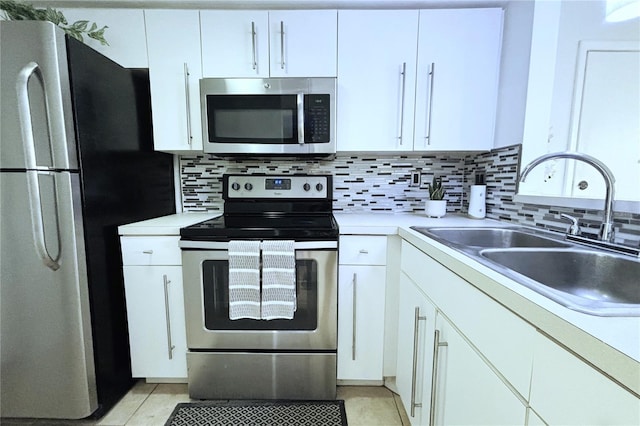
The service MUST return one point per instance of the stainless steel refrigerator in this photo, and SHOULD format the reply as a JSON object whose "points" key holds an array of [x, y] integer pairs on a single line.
{"points": [[76, 161]]}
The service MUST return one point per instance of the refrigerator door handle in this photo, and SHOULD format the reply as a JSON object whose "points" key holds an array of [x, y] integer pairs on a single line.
{"points": [[24, 113], [37, 222], [35, 200]]}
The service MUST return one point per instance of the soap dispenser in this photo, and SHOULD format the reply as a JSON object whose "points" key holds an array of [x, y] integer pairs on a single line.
{"points": [[477, 197]]}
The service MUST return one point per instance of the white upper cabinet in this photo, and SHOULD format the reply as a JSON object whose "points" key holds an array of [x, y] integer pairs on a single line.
{"points": [[125, 35], [376, 79], [303, 43], [298, 43], [235, 43], [413, 80], [173, 38], [457, 78]]}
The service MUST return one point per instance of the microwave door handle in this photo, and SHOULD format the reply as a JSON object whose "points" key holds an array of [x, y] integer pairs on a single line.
{"points": [[300, 104]]}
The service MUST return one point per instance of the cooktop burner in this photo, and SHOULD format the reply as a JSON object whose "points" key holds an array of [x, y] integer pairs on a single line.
{"points": [[297, 207]]}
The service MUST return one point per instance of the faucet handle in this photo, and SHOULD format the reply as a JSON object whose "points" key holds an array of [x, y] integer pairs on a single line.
{"points": [[574, 228]]}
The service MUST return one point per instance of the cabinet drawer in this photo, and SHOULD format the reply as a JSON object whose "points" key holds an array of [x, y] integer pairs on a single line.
{"points": [[162, 250], [363, 250]]}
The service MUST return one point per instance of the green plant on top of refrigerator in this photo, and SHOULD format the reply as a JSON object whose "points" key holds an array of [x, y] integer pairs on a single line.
{"points": [[18, 11]]}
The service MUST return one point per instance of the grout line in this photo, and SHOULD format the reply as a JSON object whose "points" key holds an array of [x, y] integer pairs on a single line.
{"points": [[155, 386]]}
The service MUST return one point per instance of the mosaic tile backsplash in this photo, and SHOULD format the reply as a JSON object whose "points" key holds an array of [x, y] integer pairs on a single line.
{"points": [[381, 183]]}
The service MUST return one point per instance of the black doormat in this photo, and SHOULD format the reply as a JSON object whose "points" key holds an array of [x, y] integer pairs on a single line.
{"points": [[259, 413]]}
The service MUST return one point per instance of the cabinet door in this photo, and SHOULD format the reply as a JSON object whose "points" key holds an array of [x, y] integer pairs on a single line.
{"points": [[235, 43], [361, 294], [416, 325], [155, 312], [303, 43], [173, 39], [125, 35], [457, 78], [376, 79], [565, 390], [467, 390]]}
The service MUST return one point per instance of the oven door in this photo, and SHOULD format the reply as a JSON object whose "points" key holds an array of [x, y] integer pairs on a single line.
{"points": [[313, 327]]}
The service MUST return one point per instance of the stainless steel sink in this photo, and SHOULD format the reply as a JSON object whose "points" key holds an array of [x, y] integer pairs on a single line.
{"points": [[594, 276], [591, 281], [490, 237]]}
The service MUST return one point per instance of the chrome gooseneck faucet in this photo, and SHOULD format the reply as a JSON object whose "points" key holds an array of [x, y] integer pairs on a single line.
{"points": [[606, 229]]}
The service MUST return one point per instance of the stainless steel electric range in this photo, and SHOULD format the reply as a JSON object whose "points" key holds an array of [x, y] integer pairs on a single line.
{"points": [[250, 358]]}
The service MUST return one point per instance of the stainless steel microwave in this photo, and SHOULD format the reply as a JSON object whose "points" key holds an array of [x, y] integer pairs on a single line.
{"points": [[271, 116]]}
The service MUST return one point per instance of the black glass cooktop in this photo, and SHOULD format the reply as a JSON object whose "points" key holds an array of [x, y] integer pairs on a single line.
{"points": [[295, 227]]}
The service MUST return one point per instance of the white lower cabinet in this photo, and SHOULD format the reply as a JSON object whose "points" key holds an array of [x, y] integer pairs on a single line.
{"points": [[361, 307], [458, 377], [361, 322], [416, 327], [155, 311], [486, 365], [155, 307], [566, 390], [467, 390]]}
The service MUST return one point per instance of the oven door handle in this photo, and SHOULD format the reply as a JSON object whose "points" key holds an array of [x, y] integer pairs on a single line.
{"points": [[224, 245]]}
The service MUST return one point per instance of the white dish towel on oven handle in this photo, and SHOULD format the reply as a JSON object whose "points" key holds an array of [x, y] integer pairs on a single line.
{"points": [[278, 279], [244, 279]]}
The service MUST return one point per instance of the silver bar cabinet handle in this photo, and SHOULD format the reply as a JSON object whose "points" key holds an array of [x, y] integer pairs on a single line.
{"points": [[170, 346], [33, 187], [188, 103], [353, 334], [403, 73], [414, 370], [430, 102], [300, 106], [437, 344], [282, 44], [254, 64]]}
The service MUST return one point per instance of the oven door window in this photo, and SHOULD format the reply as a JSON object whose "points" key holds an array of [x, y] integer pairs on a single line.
{"points": [[262, 119], [215, 277]]}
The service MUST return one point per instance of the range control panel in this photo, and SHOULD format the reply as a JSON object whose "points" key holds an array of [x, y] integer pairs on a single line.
{"points": [[277, 186]]}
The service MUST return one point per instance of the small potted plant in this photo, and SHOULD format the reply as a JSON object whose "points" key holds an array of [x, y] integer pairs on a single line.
{"points": [[436, 205]]}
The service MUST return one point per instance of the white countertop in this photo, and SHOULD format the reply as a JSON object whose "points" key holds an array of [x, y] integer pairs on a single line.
{"points": [[165, 225], [388, 223], [610, 343]]}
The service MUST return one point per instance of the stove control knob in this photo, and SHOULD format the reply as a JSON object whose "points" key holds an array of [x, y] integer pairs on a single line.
{"points": [[306, 187], [248, 186], [319, 187], [235, 186]]}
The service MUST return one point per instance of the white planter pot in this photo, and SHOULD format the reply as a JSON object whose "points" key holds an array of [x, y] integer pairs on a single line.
{"points": [[435, 208]]}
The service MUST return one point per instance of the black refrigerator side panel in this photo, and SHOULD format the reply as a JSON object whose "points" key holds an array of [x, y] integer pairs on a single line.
{"points": [[122, 181]]}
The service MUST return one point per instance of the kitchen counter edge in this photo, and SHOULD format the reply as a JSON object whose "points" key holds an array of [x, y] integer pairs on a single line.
{"points": [[166, 225]]}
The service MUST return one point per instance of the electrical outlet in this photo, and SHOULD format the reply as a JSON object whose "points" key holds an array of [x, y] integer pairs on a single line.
{"points": [[416, 179]]}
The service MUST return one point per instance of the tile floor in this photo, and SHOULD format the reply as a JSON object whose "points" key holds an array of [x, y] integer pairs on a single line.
{"points": [[149, 404]]}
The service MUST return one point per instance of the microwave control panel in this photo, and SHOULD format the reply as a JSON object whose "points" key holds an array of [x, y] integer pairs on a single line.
{"points": [[317, 122]]}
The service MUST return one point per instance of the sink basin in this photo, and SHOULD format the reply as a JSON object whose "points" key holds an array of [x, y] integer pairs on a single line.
{"points": [[595, 282], [595, 279], [489, 237]]}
